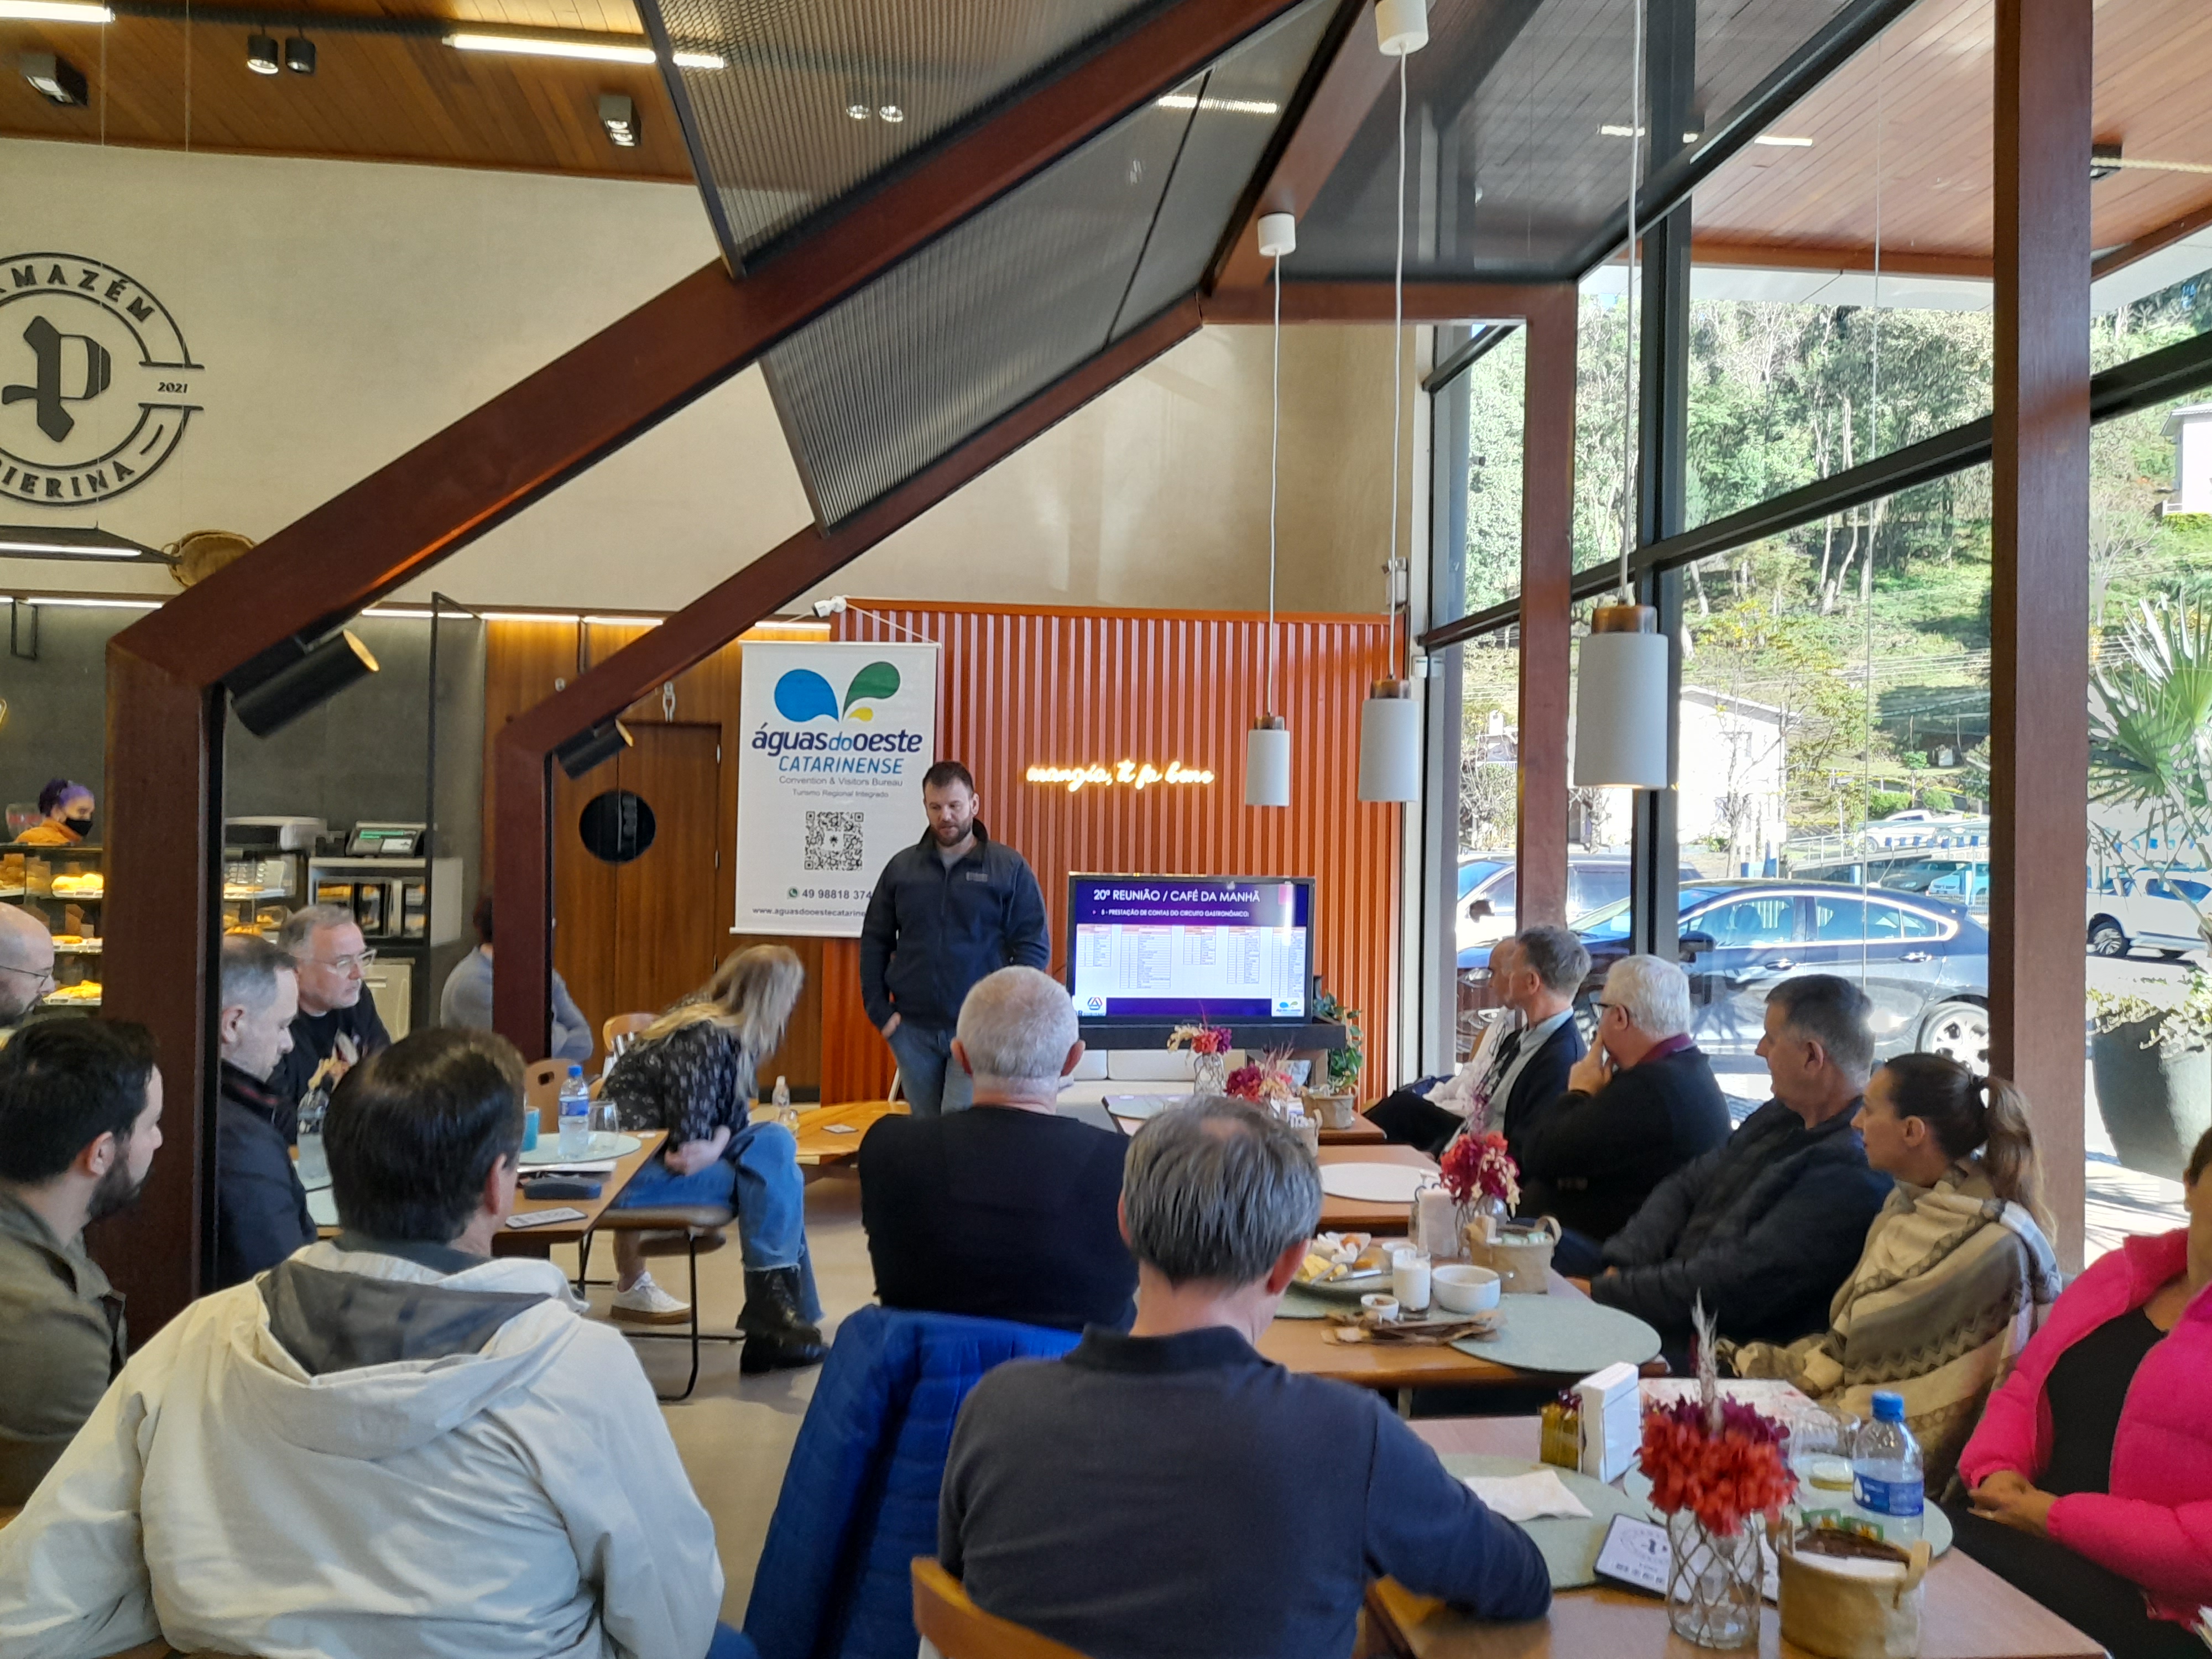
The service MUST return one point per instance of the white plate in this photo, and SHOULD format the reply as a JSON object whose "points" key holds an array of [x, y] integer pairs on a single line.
{"points": [[1374, 1183], [548, 1149]]}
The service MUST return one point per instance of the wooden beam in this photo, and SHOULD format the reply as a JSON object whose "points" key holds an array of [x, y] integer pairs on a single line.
{"points": [[2039, 602], [1548, 564], [402, 520], [1355, 77], [2164, 236], [521, 755], [1895, 262], [1370, 303]]}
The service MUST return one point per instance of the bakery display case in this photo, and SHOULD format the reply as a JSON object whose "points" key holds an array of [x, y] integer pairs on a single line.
{"points": [[64, 887]]}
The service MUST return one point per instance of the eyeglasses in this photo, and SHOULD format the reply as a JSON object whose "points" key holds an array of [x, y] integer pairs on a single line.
{"points": [[360, 962], [38, 976]]}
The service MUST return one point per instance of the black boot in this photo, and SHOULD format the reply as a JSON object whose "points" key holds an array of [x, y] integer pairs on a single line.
{"points": [[778, 1336]]}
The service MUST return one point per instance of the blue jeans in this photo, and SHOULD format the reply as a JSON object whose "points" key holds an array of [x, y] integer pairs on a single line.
{"points": [[756, 1175], [931, 1077]]}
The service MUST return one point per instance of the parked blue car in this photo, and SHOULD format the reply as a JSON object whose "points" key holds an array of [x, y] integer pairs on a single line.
{"points": [[1924, 962]]}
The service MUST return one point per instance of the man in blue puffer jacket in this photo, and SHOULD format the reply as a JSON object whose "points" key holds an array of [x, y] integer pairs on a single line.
{"points": [[946, 912]]}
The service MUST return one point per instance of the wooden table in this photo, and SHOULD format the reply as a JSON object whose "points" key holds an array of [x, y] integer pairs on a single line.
{"points": [[1971, 1612], [1303, 1345], [1365, 1132], [1350, 1215], [820, 1149], [540, 1241]]}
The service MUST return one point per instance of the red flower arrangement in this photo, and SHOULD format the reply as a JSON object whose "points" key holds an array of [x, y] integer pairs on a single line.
{"points": [[1262, 1082], [1723, 1463], [1479, 1166], [1199, 1039]]}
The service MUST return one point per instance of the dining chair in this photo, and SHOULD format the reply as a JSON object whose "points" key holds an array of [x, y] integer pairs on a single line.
{"points": [[615, 1034], [956, 1628], [541, 1089], [690, 1231]]}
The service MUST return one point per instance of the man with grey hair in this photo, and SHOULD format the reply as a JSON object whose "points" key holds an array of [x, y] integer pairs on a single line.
{"points": [[1005, 1210], [27, 966], [1766, 1228], [1171, 1490], [1520, 1066], [261, 1207], [338, 1026], [1637, 1107]]}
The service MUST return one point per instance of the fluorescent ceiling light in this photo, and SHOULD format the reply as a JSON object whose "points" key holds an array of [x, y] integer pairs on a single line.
{"points": [[1780, 142], [99, 605], [625, 622], [569, 616], [606, 48], [68, 542], [403, 613], [55, 11], [1226, 106]]}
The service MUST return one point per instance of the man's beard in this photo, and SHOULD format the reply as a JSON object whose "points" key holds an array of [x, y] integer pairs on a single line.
{"points": [[952, 838], [115, 1191]]}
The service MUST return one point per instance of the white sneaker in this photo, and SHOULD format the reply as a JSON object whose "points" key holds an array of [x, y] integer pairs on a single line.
{"points": [[646, 1303]]}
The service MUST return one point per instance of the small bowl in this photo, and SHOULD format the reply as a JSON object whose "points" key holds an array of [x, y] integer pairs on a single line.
{"points": [[1462, 1288], [1383, 1307]]}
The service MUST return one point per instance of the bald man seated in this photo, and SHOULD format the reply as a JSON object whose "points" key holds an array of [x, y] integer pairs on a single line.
{"points": [[27, 966], [1008, 1211]]}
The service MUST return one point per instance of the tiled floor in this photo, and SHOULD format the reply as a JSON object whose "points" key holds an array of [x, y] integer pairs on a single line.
{"points": [[735, 1434]]}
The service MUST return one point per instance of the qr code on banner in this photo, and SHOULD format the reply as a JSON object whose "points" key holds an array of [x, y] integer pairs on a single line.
{"points": [[833, 841]]}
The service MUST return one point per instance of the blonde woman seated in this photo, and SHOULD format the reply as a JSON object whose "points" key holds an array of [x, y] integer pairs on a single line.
{"points": [[692, 1072], [1957, 1273]]}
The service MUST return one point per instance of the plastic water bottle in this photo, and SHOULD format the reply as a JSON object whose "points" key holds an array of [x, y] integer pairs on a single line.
{"points": [[575, 1114], [786, 1112], [1885, 1474]]}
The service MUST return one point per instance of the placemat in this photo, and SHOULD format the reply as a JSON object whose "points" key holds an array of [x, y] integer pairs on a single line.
{"points": [[1569, 1545], [1563, 1334], [548, 1149], [1374, 1183]]}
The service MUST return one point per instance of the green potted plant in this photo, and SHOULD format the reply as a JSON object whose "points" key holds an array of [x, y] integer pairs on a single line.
{"points": [[1340, 1089], [2150, 761]]}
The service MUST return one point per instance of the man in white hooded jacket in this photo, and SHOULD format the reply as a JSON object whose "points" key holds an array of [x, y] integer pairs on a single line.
{"points": [[390, 1442]]}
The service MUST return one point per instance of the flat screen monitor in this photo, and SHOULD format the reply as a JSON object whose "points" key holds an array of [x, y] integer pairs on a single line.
{"points": [[1217, 948]]}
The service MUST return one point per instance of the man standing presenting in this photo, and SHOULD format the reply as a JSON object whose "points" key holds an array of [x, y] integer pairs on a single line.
{"points": [[261, 1209], [336, 1027], [947, 911]]}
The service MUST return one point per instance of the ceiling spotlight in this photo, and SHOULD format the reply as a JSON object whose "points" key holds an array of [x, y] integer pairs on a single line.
{"points": [[619, 117], [57, 79], [261, 54], [2103, 161], [859, 111], [315, 677], [594, 747], [893, 113], [300, 55]]}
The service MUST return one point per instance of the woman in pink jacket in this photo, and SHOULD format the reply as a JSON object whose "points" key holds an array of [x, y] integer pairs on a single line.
{"points": [[2091, 1472]]}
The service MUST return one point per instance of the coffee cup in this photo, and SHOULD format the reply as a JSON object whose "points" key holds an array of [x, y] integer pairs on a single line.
{"points": [[1383, 1307]]}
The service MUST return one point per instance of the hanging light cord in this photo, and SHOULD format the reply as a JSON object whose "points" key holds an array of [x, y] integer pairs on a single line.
{"points": [[1628, 354], [1397, 379], [1275, 462]]}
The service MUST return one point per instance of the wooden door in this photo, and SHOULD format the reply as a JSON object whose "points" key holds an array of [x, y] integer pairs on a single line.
{"points": [[636, 880]]}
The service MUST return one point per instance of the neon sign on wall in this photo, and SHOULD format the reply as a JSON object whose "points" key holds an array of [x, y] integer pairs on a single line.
{"points": [[1129, 774]]}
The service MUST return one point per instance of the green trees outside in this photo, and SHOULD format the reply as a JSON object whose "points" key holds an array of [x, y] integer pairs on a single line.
{"points": [[1871, 629]]}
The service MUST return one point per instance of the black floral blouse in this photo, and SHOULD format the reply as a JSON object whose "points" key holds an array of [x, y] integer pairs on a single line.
{"points": [[697, 1079]]}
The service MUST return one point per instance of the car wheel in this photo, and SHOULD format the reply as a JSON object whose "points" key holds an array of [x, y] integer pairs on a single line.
{"points": [[1959, 1031], [2106, 938]]}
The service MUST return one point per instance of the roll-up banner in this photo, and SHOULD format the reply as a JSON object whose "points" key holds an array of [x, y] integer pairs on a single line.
{"points": [[837, 736]]}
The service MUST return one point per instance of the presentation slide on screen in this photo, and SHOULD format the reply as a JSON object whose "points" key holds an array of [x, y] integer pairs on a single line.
{"points": [[1189, 948]]}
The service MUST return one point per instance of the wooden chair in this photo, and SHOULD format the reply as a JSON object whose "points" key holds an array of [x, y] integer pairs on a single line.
{"points": [[616, 1033], [958, 1629], [541, 1090]]}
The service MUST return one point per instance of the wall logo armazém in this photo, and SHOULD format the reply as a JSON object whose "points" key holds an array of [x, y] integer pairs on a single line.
{"points": [[96, 382]]}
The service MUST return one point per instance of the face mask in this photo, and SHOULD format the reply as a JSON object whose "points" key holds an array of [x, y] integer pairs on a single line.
{"points": [[82, 826]]}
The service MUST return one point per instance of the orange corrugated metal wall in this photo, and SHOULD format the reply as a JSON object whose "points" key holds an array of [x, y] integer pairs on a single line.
{"points": [[1021, 687]]}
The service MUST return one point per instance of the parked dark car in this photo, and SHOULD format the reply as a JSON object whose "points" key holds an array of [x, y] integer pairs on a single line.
{"points": [[1924, 962]]}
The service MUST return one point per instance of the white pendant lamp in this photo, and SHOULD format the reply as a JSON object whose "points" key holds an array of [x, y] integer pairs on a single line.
{"points": [[1390, 719], [1267, 744], [1621, 705]]}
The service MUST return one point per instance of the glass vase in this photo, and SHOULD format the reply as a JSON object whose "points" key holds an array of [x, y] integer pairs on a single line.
{"points": [[1209, 1075], [1713, 1583], [1473, 1212]]}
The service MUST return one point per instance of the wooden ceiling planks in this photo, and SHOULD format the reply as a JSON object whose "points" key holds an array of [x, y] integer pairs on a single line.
{"points": [[158, 83], [1926, 90]]}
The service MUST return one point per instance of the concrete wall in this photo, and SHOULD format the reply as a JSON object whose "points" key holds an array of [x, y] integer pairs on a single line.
{"points": [[344, 311]]}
